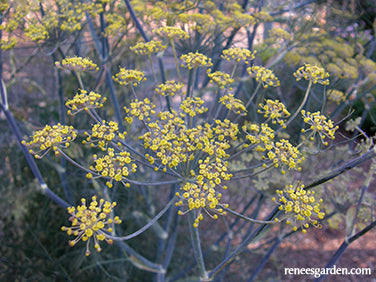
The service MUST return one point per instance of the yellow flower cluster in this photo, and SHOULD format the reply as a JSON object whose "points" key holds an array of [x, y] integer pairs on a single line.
{"points": [[36, 31], [114, 165], [312, 73], [140, 109], [51, 137], [238, 54], [103, 133], [233, 104], [275, 110], [281, 153], [84, 101], [285, 155], [147, 48], [319, 124], [220, 78], [171, 32], [77, 64], [91, 222], [336, 96], [201, 194], [193, 106], [169, 88], [264, 76], [301, 204], [195, 60], [259, 134], [133, 77]]}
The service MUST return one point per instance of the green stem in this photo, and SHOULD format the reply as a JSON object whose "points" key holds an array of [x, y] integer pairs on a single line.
{"points": [[80, 81], [196, 244]]}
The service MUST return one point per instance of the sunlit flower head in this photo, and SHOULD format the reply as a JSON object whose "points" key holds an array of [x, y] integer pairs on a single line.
{"points": [[51, 137], [147, 48], [233, 104], [114, 166], [319, 124], [103, 133], [195, 60], [84, 101], [312, 73], [93, 222], [77, 64], [129, 77], [264, 76], [220, 78], [300, 206], [171, 32], [169, 88], [275, 110], [238, 54]]}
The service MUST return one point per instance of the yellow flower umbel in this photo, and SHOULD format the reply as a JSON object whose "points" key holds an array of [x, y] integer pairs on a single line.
{"points": [[132, 77], [51, 137], [264, 76], [153, 46], [171, 32], [77, 64], [238, 55], [301, 205], [84, 101], [336, 96], [202, 194], [220, 78], [233, 104], [312, 73], [284, 155], [195, 60], [115, 166], [193, 106], [103, 133], [91, 222], [275, 110], [319, 124], [143, 110], [169, 88]]}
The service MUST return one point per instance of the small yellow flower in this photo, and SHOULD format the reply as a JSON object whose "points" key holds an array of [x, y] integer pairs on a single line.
{"points": [[51, 137], [263, 75], [238, 54], [233, 104], [133, 77], [103, 133], [171, 32], [77, 64], [114, 165], [220, 78], [301, 205], [147, 48], [193, 106], [274, 110], [91, 222], [195, 60], [169, 88], [84, 101], [312, 73], [143, 110], [319, 124]]}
